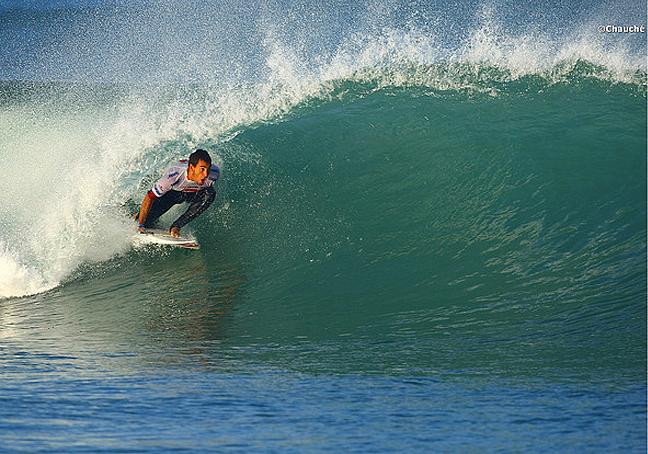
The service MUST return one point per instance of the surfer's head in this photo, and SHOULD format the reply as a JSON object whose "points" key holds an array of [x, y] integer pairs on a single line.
{"points": [[198, 167]]}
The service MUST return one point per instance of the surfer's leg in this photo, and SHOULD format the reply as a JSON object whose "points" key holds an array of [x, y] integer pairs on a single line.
{"points": [[161, 205], [199, 201]]}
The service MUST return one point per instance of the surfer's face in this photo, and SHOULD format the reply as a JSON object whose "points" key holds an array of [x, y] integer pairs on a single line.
{"points": [[199, 172]]}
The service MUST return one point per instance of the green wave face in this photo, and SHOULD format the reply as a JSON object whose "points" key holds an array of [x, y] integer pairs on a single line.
{"points": [[448, 217], [404, 214]]}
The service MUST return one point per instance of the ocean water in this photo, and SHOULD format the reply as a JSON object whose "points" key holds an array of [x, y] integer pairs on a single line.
{"points": [[429, 234]]}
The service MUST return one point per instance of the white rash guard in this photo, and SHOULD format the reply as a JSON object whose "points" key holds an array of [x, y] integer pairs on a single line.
{"points": [[175, 179]]}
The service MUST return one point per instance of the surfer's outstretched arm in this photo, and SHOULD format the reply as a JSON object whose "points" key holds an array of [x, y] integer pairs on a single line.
{"points": [[144, 210], [201, 201]]}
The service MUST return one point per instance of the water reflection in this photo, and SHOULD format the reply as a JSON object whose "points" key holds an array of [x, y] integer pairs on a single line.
{"points": [[153, 307]]}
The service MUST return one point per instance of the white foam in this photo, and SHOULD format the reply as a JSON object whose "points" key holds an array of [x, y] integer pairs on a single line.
{"points": [[17, 279]]}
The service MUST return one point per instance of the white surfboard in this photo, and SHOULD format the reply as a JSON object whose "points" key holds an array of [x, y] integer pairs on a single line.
{"points": [[162, 237]]}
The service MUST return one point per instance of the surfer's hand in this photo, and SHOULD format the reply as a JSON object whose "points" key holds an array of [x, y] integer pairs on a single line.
{"points": [[175, 232], [141, 229]]}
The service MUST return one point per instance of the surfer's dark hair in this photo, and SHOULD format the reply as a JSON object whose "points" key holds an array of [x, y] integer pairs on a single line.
{"points": [[199, 155]]}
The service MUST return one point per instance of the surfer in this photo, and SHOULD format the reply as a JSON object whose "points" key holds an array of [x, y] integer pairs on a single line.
{"points": [[189, 181]]}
